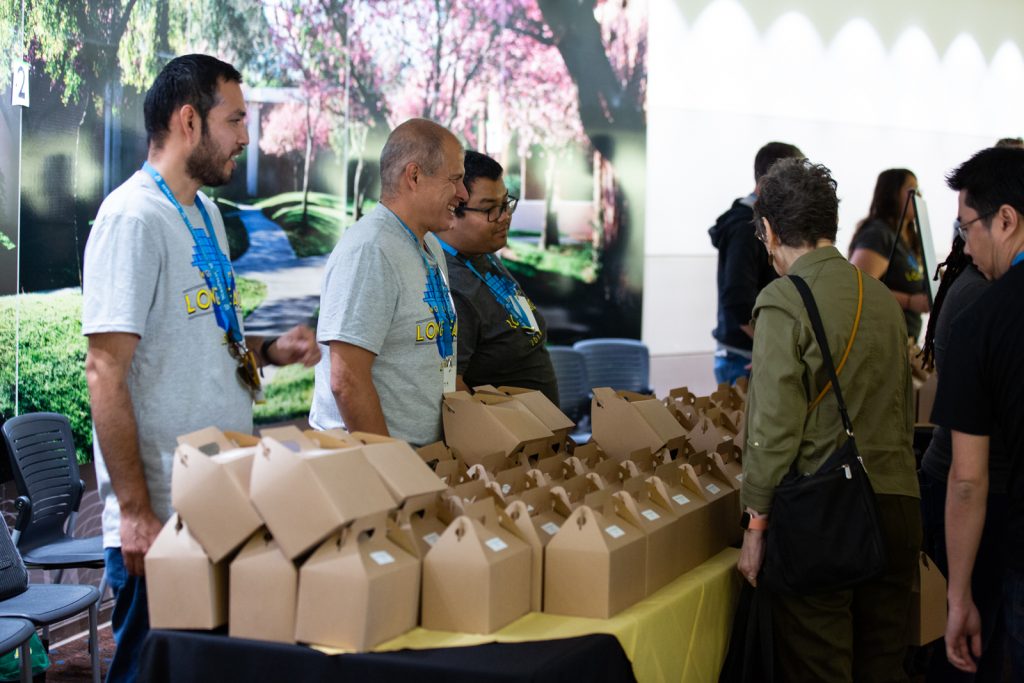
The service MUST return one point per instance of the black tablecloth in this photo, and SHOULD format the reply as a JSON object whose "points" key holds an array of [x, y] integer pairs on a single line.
{"points": [[194, 657]]}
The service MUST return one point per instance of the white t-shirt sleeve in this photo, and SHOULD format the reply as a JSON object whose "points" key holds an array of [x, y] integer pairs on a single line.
{"points": [[359, 299], [120, 273]]}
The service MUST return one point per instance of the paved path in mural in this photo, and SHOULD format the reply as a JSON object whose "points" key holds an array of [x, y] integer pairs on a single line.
{"points": [[293, 283]]}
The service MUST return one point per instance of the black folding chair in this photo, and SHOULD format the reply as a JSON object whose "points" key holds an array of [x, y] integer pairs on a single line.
{"points": [[44, 603], [45, 469], [14, 635]]}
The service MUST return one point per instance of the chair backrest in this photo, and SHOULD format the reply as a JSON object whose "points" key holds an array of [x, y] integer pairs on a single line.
{"points": [[13, 575], [571, 373], [42, 453], [622, 364]]}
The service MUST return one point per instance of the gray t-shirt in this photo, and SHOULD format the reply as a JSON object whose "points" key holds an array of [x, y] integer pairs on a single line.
{"points": [[139, 278], [372, 297]]}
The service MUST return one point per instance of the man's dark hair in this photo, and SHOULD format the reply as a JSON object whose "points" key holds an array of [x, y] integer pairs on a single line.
{"points": [[772, 152], [189, 79], [1010, 142], [991, 178], [799, 200], [479, 165]]}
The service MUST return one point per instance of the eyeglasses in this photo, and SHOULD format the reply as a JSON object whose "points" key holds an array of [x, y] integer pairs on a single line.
{"points": [[959, 226], [495, 212]]}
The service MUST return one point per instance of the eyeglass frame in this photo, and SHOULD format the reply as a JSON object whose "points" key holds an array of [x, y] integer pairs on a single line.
{"points": [[509, 203], [958, 226]]}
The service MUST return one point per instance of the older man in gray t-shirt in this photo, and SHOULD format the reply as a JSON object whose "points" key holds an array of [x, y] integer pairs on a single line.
{"points": [[387, 320]]}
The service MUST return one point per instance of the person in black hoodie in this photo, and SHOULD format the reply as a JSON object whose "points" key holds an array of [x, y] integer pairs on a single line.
{"points": [[743, 271]]}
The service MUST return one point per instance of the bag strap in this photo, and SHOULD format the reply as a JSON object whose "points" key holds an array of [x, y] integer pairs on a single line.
{"points": [[819, 333], [849, 344]]}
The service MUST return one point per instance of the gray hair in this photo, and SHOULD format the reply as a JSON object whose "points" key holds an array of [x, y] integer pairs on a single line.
{"points": [[416, 141]]}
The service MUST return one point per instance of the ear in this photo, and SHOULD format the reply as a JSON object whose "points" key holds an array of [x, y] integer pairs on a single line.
{"points": [[1006, 222], [191, 123], [769, 235], [411, 174]]}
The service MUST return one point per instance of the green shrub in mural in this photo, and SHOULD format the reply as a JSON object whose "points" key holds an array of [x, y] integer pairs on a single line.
{"points": [[51, 362]]}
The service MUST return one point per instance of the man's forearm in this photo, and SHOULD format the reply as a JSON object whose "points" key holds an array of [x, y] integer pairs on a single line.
{"points": [[966, 494], [359, 406], [117, 433]]}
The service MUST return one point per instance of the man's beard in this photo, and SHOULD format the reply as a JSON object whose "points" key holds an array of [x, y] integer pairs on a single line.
{"points": [[204, 165]]}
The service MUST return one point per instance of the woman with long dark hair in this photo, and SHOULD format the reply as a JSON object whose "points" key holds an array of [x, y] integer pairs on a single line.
{"points": [[873, 242]]}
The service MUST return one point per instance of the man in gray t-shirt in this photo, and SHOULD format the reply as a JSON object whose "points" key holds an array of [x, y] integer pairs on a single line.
{"points": [[161, 312], [387, 320]]}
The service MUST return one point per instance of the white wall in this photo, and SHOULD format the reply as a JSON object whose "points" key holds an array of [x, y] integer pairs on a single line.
{"points": [[858, 86]]}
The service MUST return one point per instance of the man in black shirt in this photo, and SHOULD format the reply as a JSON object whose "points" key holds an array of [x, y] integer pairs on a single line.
{"points": [[980, 394], [501, 333], [743, 271]]}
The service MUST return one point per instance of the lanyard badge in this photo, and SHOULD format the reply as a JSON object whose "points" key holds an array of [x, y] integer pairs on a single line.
{"points": [[438, 297], [504, 290], [220, 280]]}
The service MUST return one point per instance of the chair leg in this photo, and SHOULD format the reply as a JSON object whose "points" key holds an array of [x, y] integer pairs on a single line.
{"points": [[25, 655], [94, 640]]}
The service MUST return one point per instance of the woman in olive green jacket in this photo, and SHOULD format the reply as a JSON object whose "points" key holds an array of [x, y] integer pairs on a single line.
{"points": [[861, 633]]}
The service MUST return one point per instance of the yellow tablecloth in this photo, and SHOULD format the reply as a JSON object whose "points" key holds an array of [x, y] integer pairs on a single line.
{"points": [[678, 634]]}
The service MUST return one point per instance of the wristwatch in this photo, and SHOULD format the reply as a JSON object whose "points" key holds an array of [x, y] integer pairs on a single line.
{"points": [[749, 521]]}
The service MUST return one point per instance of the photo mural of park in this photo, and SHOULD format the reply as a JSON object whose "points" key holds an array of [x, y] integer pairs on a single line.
{"points": [[554, 89]]}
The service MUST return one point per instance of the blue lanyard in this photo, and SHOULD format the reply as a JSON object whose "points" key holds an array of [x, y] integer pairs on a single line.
{"points": [[504, 289], [437, 297], [210, 260], [1017, 259]]}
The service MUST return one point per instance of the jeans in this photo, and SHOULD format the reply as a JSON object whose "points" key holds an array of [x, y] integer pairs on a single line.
{"points": [[986, 581], [730, 367], [130, 619]]}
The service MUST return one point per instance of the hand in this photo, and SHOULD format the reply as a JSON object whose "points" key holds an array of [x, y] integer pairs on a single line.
{"points": [[138, 531], [963, 635], [751, 555], [918, 303], [297, 345]]}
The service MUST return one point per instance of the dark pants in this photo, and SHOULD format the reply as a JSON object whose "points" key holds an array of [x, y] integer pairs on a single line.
{"points": [[730, 366], [859, 634], [986, 581], [1013, 592], [130, 620]]}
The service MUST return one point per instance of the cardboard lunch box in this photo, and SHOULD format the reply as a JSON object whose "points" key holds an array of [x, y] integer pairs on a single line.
{"points": [[263, 591], [417, 526], [476, 578], [723, 495], [400, 468], [624, 422], [542, 407], [928, 604], [185, 590], [358, 589], [699, 539], [535, 518], [596, 565], [660, 525], [210, 490], [480, 425], [305, 493]]}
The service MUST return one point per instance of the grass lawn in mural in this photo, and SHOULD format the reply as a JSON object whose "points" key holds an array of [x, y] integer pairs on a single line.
{"points": [[52, 356]]}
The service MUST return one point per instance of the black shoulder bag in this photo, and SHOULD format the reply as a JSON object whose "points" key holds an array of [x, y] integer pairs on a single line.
{"points": [[824, 534]]}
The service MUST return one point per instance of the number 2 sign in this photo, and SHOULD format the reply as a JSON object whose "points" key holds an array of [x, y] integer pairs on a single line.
{"points": [[19, 84]]}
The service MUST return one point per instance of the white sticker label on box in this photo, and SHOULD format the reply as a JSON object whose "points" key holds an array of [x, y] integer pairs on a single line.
{"points": [[614, 531], [530, 509], [431, 538], [382, 557], [550, 528], [496, 544], [506, 489], [712, 489], [680, 499], [651, 514], [739, 477]]}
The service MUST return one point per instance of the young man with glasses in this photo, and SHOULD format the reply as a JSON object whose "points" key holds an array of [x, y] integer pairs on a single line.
{"points": [[979, 398], [501, 332]]}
